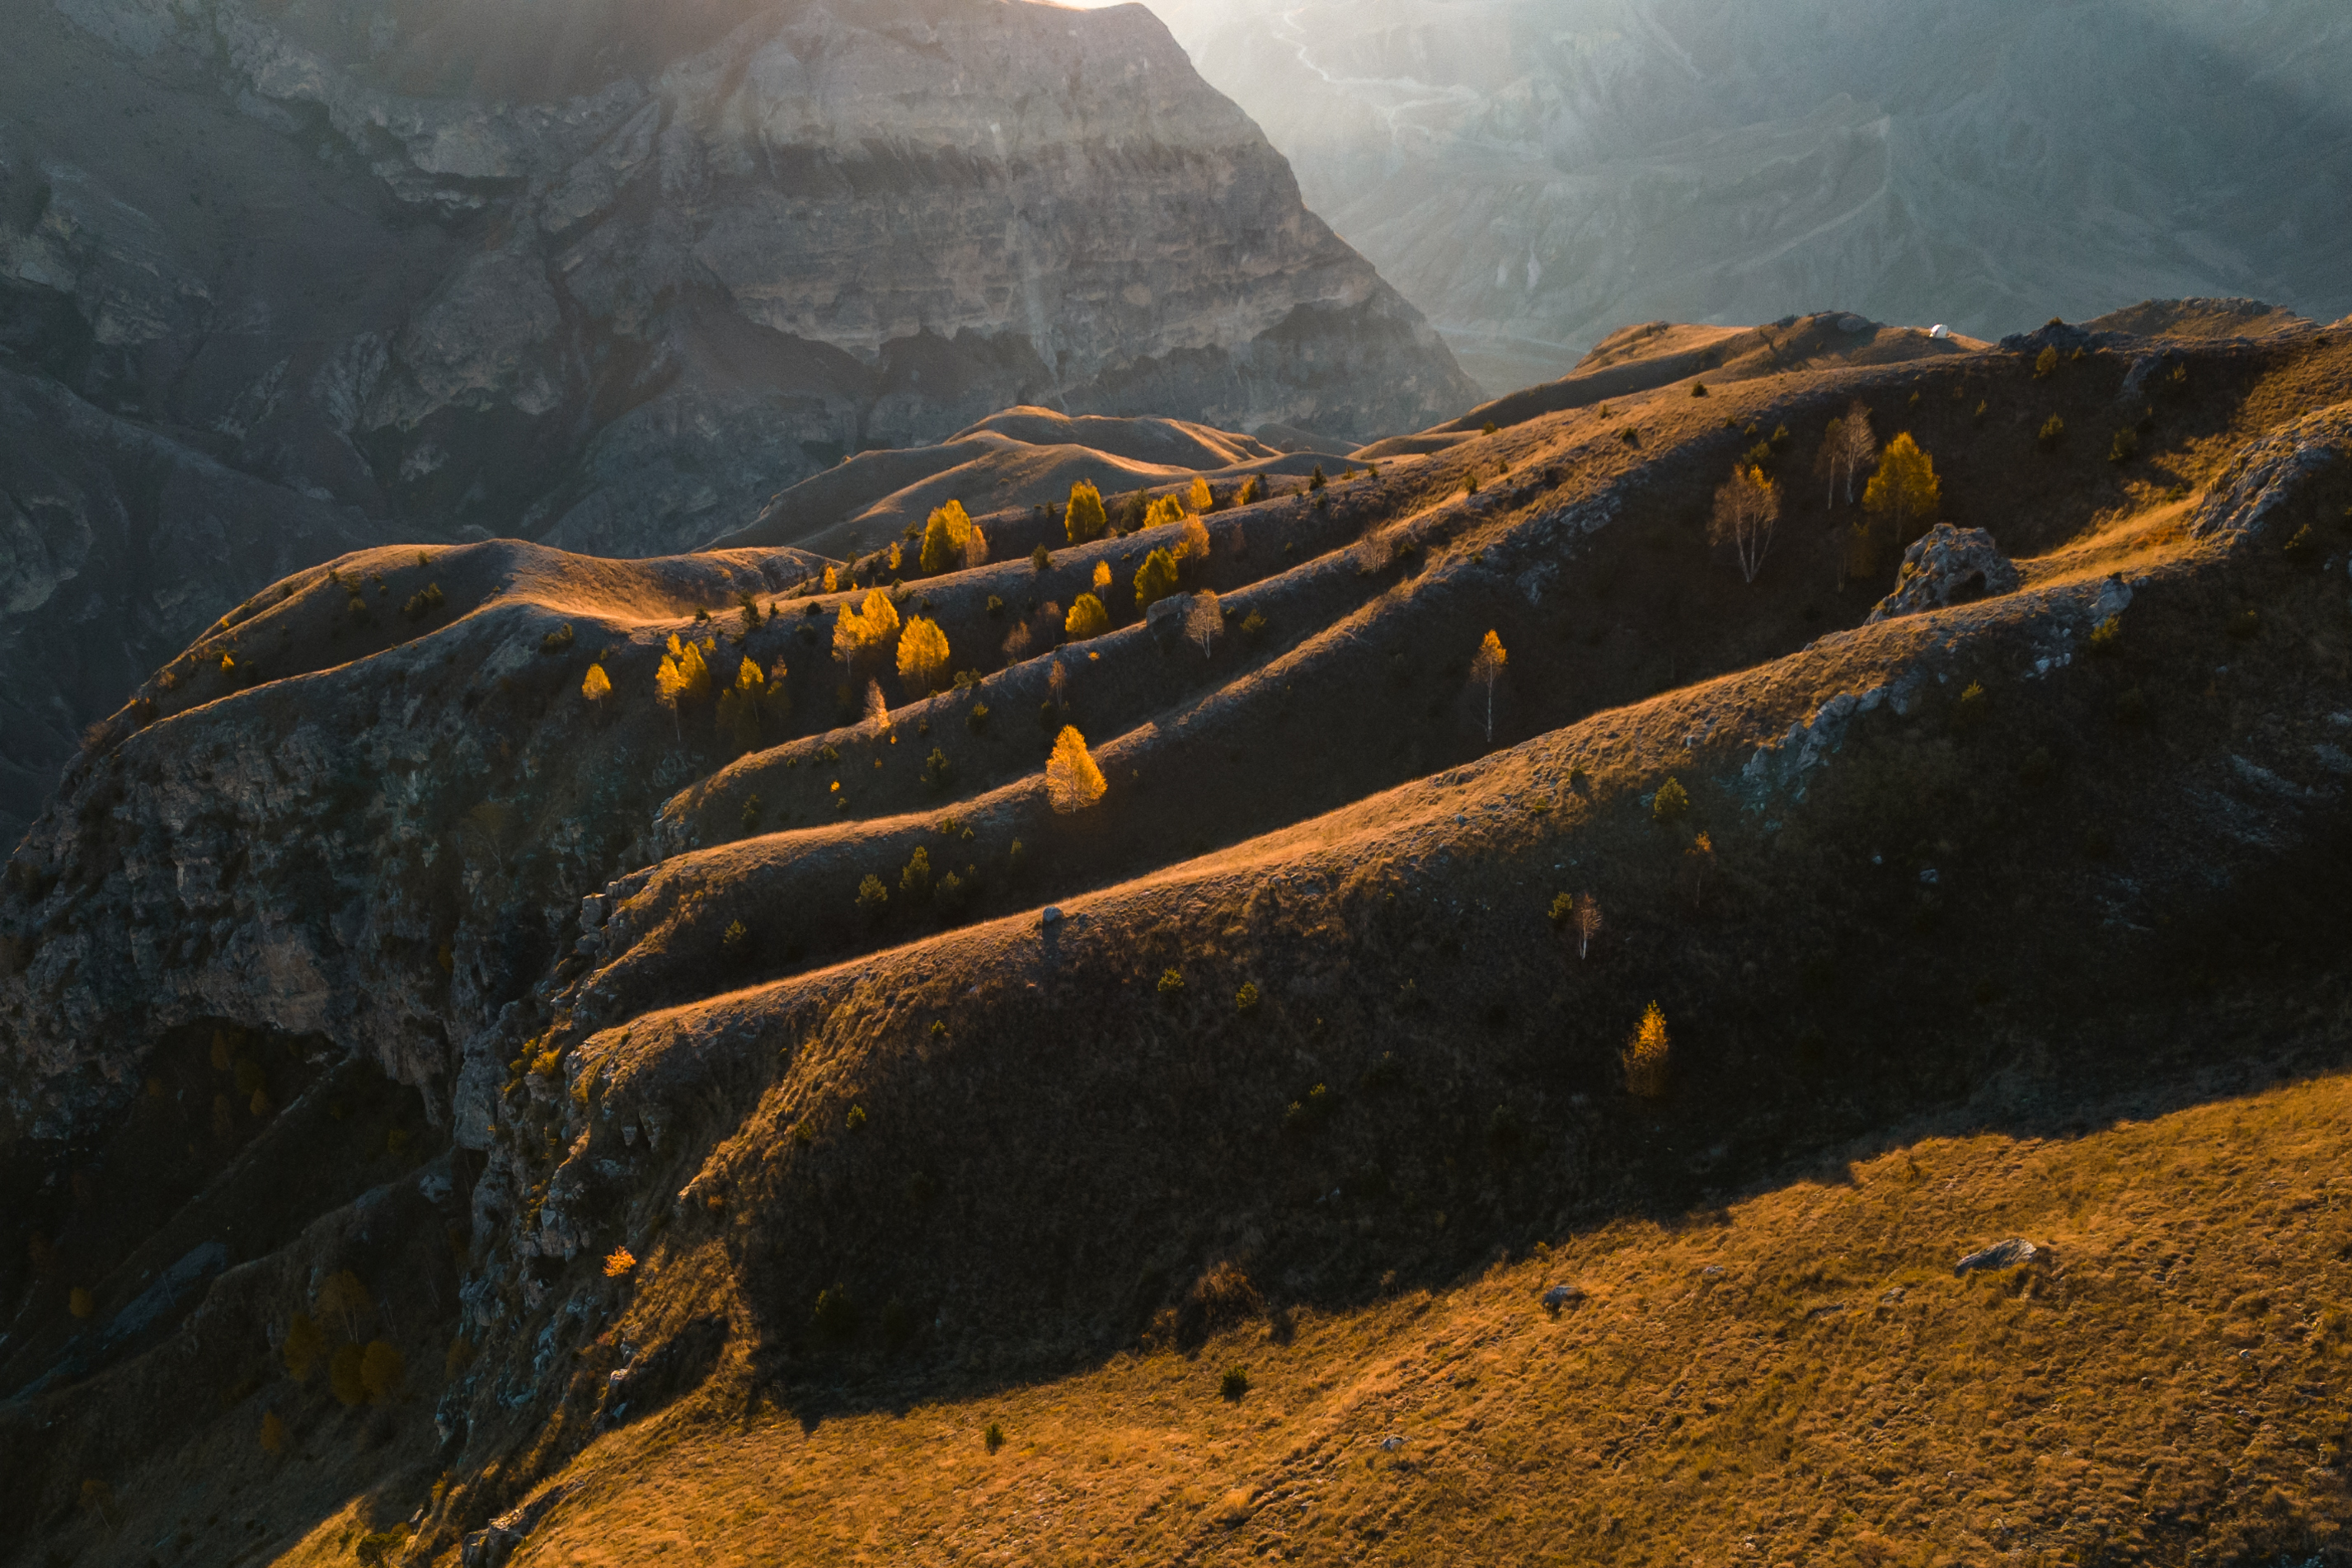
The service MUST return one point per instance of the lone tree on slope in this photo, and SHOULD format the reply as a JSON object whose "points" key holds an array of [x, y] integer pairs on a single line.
{"points": [[1486, 669]]}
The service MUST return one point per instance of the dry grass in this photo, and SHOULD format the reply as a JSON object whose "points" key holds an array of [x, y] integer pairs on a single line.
{"points": [[1800, 1378]]}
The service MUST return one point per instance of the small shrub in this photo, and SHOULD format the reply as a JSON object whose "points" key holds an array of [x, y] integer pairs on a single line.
{"points": [[1316, 481], [1246, 1000], [620, 1262], [1563, 910], [1234, 1384], [1307, 1113], [557, 640], [951, 894], [836, 1317], [423, 603], [1982, 410], [1670, 805], [752, 814], [873, 898], [735, 941], [1041, 559], [2053, 430], [1171, 985], [938, 770], [1253, 625], [1698, 389], [1386, 1071], [977, 720], [2304, 548], [2045, 363], [1970, 711], [856, 1119], [2107, 638], [828, 755], [2124, 447], [993, 1438]]}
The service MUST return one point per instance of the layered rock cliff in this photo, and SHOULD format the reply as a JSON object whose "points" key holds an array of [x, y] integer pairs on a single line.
{"points": [[612, 282]]}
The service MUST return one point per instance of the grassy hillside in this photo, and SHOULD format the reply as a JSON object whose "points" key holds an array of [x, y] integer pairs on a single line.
{"points": [[1996, 921]]}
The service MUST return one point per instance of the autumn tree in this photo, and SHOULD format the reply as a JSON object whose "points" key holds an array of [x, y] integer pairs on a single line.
{"points": [[1584, 922], [1200, 497], [877, 707], [922, 656], [1085, 519], [948, 539], [595, 685], [344, 1300], [1746, 508], [1164, 509], [1901, 499], [738, 705], [1192, 542], [682, 675], [1856, 445], [1073, 782], [1100, 581], [303, 1346], [1486, 670], [1154, 580], [383, 1371], [1088, 618], [1644, 1056], [1204, 620]]}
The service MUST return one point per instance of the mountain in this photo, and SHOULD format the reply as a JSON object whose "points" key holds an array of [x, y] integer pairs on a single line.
{"points": [[1533, 174], [457, 1106], [609, 281]]}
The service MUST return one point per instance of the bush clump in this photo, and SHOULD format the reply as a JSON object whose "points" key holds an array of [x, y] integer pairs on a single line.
{"points": [[1234, 1384], [1671, 803], [424, 603]]}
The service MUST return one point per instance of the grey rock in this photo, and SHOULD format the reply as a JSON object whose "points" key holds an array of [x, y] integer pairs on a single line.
{"points": [[2008, 1254], [491, 1546], [1559, 1296], [1948, 565]]}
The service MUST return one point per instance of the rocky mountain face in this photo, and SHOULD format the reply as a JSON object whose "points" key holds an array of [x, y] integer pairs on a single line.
{"points": [[1533, 174], [607, 282]]}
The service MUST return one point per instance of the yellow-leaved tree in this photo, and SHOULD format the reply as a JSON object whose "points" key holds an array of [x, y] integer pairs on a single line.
{"points": [[1201, 498], [1901, 498], [1166, 508], [947, 538], [1154, 580], [738, 705], [1088, 618], [1073, 782], [596, 685], [1193, 543], [1085, 519], [682, 674], [1486, 668], [1747, 507], [1644, 1056], [922, 656], [1100, 581]]}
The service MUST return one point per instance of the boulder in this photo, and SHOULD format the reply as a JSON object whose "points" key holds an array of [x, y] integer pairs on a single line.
{"points": [[1560, 1296], [1948, 565], [2010, 1254]]}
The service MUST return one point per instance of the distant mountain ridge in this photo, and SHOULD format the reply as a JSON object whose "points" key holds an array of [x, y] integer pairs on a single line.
{"points": [[1534, 173]]}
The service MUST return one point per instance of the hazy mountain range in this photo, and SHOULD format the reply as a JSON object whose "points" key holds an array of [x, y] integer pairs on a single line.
{"points": [[1534, 173]]}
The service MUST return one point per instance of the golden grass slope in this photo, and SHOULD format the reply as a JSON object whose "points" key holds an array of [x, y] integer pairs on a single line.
{"points": [[1798, 1376]]}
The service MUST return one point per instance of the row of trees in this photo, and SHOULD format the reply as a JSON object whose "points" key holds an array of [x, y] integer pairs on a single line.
{"points": [[1898, 501]]}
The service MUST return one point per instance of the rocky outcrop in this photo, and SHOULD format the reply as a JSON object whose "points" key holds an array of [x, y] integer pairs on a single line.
{"points": [[443, 271], [1948, 565]]}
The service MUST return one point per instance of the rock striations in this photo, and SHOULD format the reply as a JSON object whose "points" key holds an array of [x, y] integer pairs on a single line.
{"points": [[611, 283]]}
